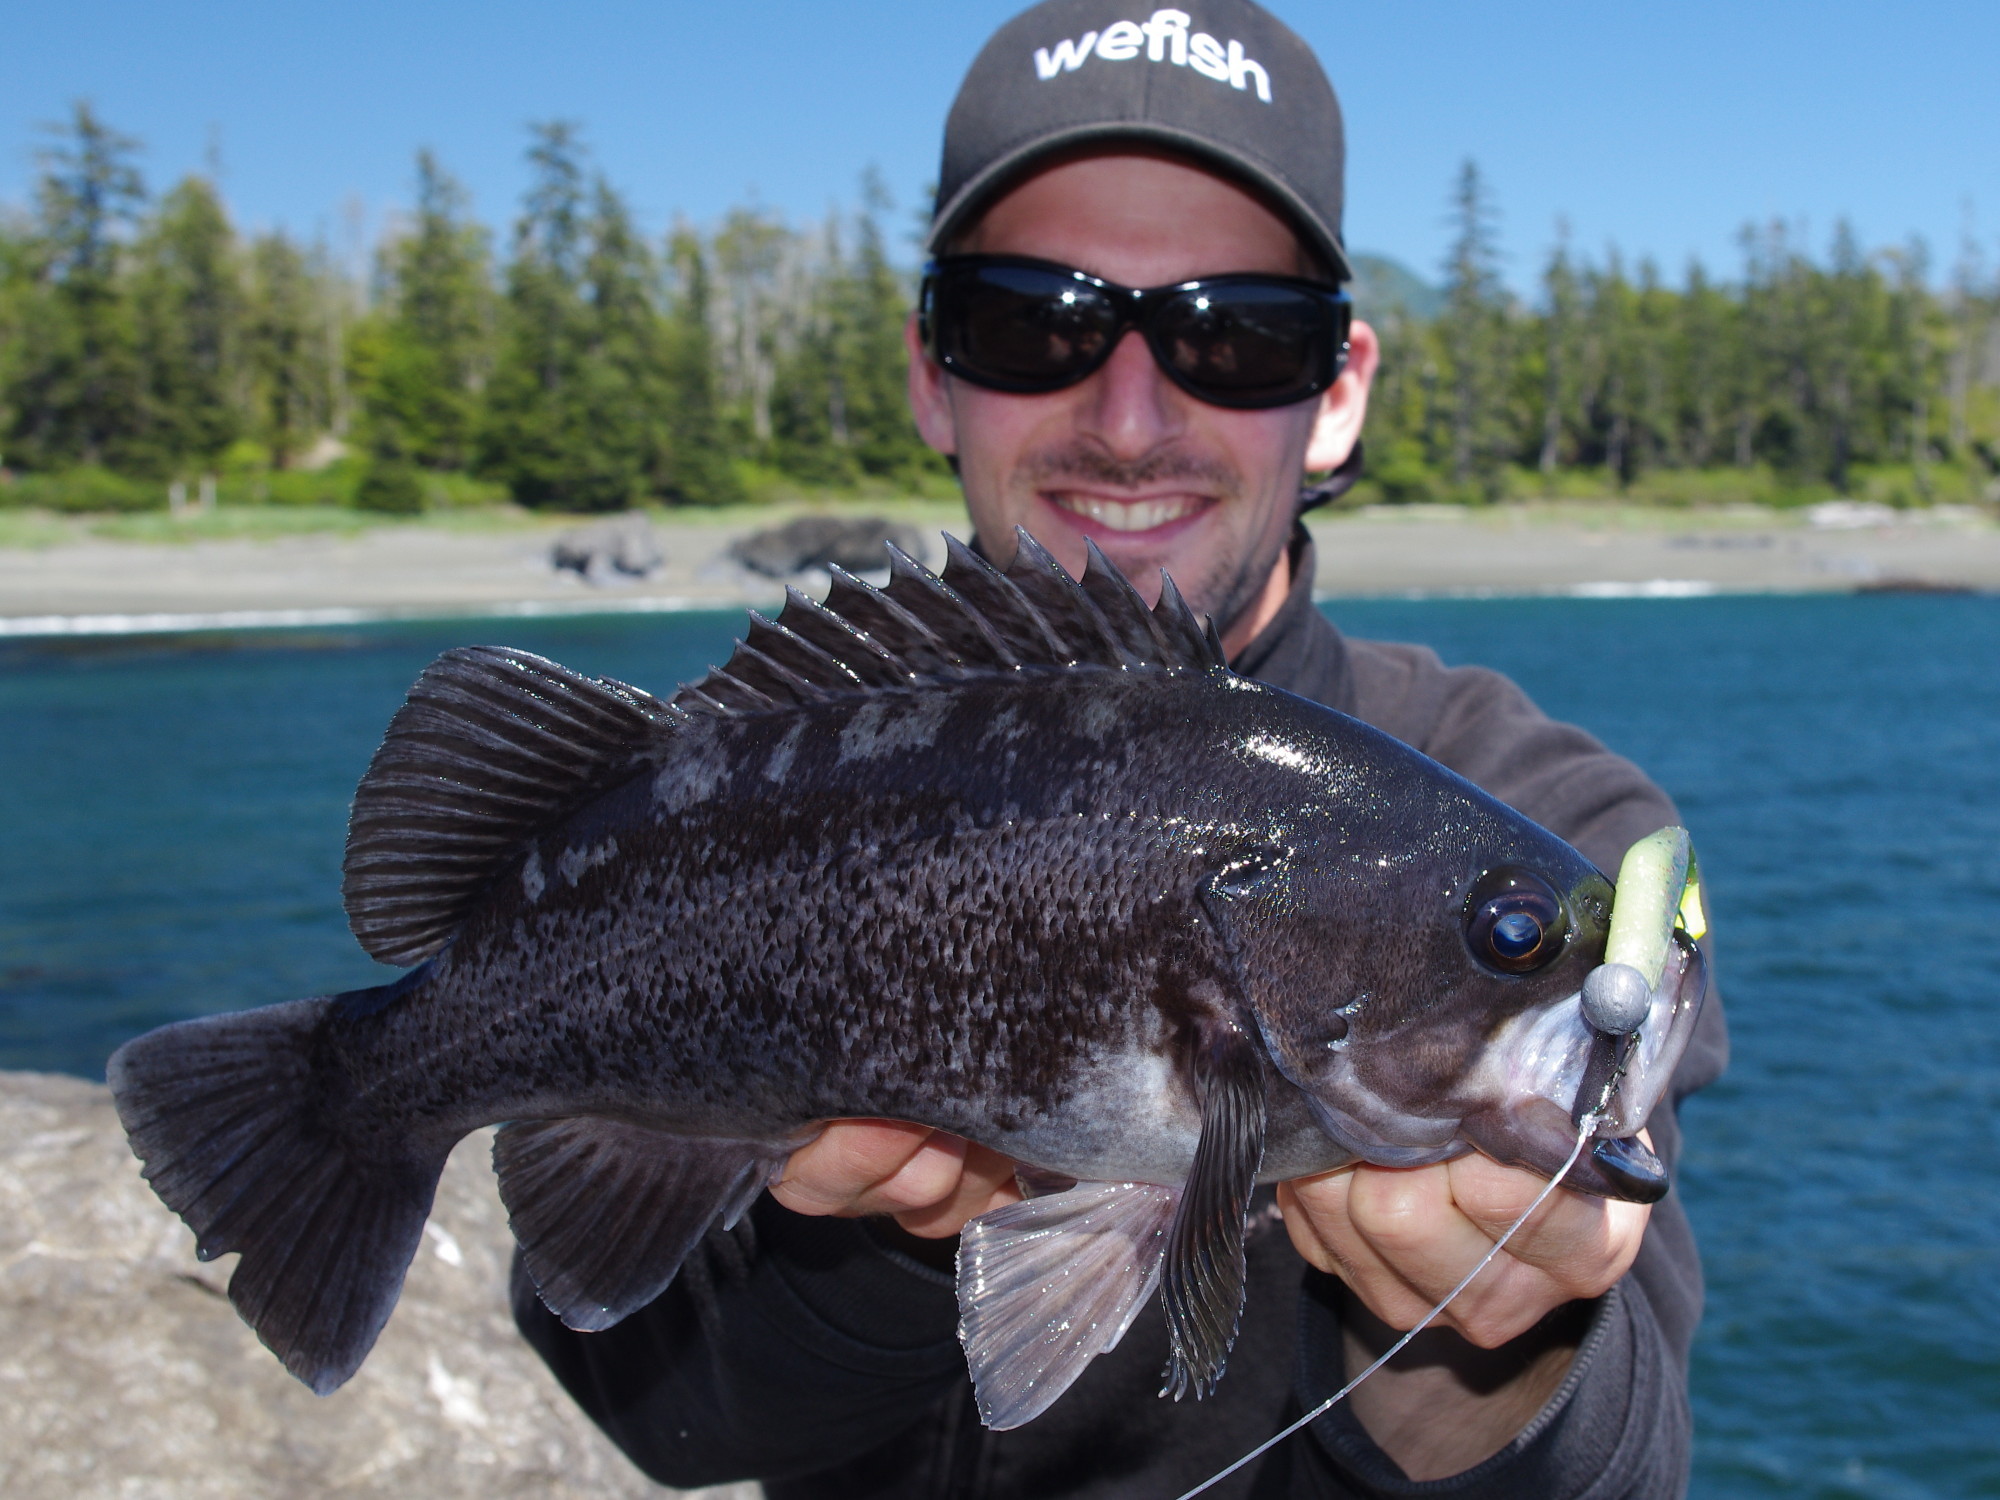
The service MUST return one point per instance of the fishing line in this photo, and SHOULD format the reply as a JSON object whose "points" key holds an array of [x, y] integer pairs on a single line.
{"points": [[1588, 1124]]}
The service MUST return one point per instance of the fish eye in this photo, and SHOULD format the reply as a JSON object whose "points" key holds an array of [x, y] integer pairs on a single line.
{"points": [[1515, 922]]}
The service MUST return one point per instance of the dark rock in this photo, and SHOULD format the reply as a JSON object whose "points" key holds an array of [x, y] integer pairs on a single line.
{"points": [[610, 551], [855, 543]]}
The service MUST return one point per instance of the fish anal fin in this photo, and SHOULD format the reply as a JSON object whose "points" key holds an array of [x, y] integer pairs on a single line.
{"points": [[1203, 1283], [605, 1211], [1048, 1284], [491, 745]]}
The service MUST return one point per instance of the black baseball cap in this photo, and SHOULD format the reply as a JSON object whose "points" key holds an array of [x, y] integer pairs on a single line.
{"points": [[1223, 81]]}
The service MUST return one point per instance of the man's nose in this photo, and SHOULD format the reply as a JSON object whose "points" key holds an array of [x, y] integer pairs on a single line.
{"points": [[1129, 405]]}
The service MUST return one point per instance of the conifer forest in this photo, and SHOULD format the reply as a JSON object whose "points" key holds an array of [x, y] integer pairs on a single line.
{"points": [[576, 360]]}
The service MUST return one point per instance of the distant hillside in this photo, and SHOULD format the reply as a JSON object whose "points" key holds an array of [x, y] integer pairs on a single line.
{"points": [[1380, 282]]}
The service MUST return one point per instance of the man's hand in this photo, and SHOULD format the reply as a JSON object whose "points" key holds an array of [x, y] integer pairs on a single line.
{"points": [[930, 1182], [1400, 1239], [1403, 1237]]}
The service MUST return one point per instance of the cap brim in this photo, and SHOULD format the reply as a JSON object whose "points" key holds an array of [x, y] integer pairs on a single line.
{"points": [[974, 193]]}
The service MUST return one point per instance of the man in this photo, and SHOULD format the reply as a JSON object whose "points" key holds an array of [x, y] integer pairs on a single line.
{"points": [[816, 1351]]}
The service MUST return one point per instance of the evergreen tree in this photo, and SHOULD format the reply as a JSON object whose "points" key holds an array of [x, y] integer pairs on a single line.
{"points": [[627, 377], [77, 392], [1474, 339], [188, 295], [874, 379], [1561, 354], [433, 349], [527, 440], [285, 350], [699, 471], [575, 415]]}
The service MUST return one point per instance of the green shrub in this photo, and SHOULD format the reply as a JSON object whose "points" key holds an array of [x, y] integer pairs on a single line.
{"points": [[391, 488], [84, 490]]}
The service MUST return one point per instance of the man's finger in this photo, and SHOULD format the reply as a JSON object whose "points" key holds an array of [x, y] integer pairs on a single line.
{"points": [[1402, 1241], [985, 1182], [871, 1166]]}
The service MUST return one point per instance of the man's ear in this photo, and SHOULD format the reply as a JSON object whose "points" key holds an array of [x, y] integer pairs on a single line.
{"points": [[1342, 406], [930, 397]]}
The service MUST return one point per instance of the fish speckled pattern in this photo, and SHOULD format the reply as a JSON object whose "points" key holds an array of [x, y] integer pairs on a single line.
{"points": [[1008, 855]]}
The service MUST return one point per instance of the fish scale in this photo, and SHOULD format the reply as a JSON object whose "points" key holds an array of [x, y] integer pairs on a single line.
{"points": [[1009, 855]]}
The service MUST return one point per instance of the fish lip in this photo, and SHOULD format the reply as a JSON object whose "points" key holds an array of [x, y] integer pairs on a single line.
{"points": [[1539, 1064], [1661, 1041]]}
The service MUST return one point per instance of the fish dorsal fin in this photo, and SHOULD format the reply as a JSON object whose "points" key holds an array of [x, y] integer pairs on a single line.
{"points": [[1068, 611], [975, 619], [490, 745]]}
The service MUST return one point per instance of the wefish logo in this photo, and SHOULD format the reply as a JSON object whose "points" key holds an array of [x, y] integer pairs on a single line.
{"points": [[1163, 38]]}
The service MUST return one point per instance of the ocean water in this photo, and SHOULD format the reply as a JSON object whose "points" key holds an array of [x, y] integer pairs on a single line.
{"points": [[172, 810]]}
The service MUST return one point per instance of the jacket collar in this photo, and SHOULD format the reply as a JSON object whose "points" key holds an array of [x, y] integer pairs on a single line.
{"points": [[1299, 650]]}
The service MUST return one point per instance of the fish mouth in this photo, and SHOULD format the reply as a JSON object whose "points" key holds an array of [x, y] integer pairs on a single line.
{"points": [[1554, 1067], [1648, 1064]]}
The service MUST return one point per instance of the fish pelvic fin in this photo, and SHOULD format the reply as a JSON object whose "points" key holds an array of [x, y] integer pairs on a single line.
{"points": [[491, 745], [1048, 1284], [975, 619], [1206, 1271], [220, 1110], [605, 1211]]}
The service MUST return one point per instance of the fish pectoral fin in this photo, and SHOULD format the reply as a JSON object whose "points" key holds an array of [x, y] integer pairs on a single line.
{"points": [[605, 1211], [1206, 1273], [1048, 1284]]}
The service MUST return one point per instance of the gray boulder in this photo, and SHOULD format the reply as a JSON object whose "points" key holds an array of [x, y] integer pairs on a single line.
{"points": [[124, 1372], [855, 543], [614, 551]]}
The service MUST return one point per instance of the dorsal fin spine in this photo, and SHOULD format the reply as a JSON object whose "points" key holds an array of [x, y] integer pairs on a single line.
{"points": [[978, 575], [1097, 641], [860, 654], [1101, 577], [881, 600], [775, 639], [923, 628], [1000, 655]]}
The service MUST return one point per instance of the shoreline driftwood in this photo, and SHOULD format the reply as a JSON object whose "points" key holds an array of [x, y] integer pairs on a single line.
{"points": [[124, 1371]]}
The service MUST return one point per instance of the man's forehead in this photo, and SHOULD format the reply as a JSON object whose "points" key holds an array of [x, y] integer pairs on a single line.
{"points": [[1146, 201]]}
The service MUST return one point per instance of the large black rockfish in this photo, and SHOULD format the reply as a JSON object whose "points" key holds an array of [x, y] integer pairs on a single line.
{"points": [[1006, 854]]}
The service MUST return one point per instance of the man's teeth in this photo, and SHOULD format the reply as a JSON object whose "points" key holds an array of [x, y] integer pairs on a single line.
{"points": [[1130, 515]]}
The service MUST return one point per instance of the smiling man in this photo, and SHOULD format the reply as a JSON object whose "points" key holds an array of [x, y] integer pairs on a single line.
{"points": [[1132, 333]]}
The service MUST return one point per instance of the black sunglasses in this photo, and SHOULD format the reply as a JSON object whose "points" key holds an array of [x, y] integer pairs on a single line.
{"points": [[1247, 341]]}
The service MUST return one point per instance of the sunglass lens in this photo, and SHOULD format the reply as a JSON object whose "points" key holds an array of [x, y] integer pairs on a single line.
{"points": [[1246, 344], [1022, 326]]}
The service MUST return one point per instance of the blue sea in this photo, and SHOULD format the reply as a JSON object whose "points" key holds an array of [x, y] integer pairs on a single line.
{"points": [[173, 810]]}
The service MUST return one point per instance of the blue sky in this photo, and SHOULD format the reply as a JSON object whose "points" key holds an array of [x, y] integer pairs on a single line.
{"points": [[1660, 127]]}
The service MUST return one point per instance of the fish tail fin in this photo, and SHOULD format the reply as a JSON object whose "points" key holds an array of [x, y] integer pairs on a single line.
{"points": [[222, 1112]]}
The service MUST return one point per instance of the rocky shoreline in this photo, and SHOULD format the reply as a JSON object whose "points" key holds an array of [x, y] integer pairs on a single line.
{"points": [[125, 1373], [89, 585]]}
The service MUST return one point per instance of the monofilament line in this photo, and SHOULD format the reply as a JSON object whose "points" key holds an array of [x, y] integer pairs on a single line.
{"points": [[1582, 1136]]}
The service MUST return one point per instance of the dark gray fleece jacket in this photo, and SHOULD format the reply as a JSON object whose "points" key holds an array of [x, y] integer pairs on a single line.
{"points": [[813, 1355]]}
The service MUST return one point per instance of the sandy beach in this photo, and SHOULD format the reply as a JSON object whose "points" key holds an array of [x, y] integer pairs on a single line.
{"points": [[72, 581]]}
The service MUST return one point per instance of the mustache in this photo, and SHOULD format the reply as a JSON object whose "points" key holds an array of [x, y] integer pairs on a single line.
{"points": [[1091, 465]]}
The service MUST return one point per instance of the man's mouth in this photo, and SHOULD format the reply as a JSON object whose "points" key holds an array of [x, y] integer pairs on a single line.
{"points": [[1128, 515]]}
